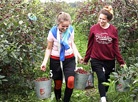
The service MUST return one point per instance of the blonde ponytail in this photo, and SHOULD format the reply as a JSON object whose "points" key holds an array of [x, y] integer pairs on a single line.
{"points": [[63, 16]]}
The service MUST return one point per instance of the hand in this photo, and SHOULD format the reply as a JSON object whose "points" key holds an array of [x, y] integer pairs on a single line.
{"points": [[123, 66], [81, 61], [43, 67], [85, 63]]}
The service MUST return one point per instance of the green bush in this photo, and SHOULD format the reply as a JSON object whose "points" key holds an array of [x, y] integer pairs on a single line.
{"points": [[23, 41]]}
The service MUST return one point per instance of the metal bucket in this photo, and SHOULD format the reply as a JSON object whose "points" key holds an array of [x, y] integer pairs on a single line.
{"points": [[43, 88], [80, 81], [90, 81], [123, 85]]}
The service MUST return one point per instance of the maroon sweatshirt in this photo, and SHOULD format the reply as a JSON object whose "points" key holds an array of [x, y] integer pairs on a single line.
{"points": [[103, 44]]}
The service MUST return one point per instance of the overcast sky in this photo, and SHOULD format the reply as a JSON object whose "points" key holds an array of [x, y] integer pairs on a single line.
{"points": [[70, 0], [63, 0]]}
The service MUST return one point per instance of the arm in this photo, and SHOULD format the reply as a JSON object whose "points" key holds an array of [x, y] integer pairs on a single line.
{"points": [[89, 47], [76, 52], [47, 55], [117, 50]]}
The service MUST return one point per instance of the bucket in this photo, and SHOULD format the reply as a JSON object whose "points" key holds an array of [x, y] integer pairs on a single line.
{"points": [[90, 81], [43, 88], [80, 81], [123, 85]]}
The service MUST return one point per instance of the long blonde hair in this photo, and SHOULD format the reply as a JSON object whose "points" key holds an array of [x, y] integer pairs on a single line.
{"points": [[63, 16]]}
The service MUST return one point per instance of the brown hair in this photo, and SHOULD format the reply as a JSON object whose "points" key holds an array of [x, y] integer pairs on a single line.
{"points": [[108, 11], [63, 16]]}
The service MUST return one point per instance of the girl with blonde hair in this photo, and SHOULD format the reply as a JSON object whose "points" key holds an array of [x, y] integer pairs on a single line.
{"points": [[62, 50]]}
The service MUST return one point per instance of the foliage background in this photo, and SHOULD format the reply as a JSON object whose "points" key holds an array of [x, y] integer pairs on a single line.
{"points": [[23, 42]]}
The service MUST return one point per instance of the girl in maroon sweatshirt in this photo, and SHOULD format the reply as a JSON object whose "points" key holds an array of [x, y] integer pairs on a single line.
{"points": [[103, 49]]}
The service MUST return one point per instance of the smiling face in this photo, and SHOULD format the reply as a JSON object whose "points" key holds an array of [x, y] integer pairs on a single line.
{"points": [[63, 26], [63, 21], [102, 20]]}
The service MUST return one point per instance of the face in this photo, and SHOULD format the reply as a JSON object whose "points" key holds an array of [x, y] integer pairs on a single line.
{"points": [[63, 26], [102, 20]]}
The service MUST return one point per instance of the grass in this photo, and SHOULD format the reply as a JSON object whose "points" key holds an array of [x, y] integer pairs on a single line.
{"points": [[90, 95]]}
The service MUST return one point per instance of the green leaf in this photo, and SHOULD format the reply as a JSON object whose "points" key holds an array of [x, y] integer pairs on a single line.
{"points": [[14, 55], [4, 80], [106, 84], [1, 76], [115, 74], [0, 82], [135, 81]]}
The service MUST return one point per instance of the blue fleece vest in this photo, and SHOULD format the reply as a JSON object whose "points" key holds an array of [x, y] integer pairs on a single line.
{"points": [[64, 44]]}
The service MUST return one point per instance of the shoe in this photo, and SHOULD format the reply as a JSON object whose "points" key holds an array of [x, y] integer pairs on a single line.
{"points": [[59, 100], [103, 99]]}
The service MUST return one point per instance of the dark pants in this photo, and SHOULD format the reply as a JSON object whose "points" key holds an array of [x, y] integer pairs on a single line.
{"points": [[68, 70], [103, 69]]}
